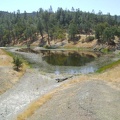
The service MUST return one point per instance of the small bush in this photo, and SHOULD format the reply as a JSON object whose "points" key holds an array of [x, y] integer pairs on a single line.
{"points": [[17, 63], [89, 39]]}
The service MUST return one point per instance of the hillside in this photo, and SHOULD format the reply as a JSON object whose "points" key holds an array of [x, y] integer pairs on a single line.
{"points": [[47, 26]]}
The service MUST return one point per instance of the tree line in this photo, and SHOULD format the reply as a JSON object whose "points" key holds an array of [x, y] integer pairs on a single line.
{"points": [[17, 27]]}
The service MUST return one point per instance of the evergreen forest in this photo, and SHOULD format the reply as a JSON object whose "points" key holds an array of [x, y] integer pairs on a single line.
{"points": [[62, 24]]}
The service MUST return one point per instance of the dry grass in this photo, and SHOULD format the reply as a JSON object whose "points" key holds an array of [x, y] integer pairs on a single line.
{"points": [[112, 75], [36, 104], [5, 60], [9, 75], [81, 45]]}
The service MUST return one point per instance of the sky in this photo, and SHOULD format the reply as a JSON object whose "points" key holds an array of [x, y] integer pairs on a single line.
{"points": [[106, 6]]}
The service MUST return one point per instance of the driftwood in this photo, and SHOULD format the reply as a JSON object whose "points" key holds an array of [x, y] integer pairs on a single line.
{"points": [[62, 79]]}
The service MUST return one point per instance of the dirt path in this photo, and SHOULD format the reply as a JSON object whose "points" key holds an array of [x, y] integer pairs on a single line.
{"points": [[88, 100]]}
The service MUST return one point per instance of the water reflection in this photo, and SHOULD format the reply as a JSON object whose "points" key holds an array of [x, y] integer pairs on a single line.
{"points": [[65, 58], [69, 62]]}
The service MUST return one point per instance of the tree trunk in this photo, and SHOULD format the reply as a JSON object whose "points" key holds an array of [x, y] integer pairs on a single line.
{"points": [[48, 39]]}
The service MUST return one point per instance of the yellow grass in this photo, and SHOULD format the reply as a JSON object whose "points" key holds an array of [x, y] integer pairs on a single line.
{"points": [[82, 45], [35, 105], [5, 60], [112, 75]]}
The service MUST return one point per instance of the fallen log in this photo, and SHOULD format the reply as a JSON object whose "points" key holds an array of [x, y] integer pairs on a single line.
{"points": [[62, 79]]}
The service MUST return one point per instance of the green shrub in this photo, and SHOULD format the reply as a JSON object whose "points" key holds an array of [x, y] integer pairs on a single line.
{"points": [[89, 39], [17, 63]]}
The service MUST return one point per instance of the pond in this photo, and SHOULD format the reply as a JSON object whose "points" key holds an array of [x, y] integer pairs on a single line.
{"points": [[67, 58], [69, 62]]}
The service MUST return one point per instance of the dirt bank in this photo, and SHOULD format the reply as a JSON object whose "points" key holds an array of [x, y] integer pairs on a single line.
{"points": [[8, 76]]}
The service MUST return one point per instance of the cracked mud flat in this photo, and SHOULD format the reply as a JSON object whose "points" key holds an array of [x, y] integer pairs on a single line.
{"points": [[88, 100]]}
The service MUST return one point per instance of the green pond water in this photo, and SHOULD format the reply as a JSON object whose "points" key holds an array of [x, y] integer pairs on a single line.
{"points": [[67, 59], [69, 62]]}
